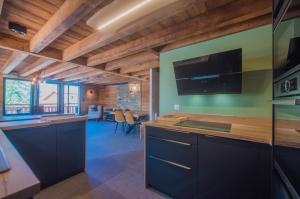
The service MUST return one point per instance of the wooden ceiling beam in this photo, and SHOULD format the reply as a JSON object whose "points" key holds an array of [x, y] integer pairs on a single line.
{"points": [[229, 14], [72, 72], [243, 26], [108, 81], [85, 75], [13, 61], [66, 16], [136, 59], [141, 73], [36, 66], [139, 67], [56, 68], [98, 39]]}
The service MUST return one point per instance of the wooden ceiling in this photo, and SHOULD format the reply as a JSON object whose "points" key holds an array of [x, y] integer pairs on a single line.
{"points": [[59, 45]]}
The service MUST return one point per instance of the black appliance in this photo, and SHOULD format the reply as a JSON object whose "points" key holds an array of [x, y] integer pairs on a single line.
{"points": [[286, 97], [218, 73]]}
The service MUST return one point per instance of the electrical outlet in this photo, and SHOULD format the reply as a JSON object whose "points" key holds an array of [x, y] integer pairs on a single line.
{"points": [[176, 107]]}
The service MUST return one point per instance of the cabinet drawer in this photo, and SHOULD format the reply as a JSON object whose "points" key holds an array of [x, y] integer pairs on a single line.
{"points": [[179, 152], [171, 135], [171, 179]]}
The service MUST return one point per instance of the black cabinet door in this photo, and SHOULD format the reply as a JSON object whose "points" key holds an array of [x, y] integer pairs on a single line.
{"points": [[171, 162], [231, 169], [70, 149], [37, 146]]}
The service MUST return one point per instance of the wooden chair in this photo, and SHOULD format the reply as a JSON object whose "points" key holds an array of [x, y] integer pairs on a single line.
{"points": [[132, 124], [119, 118]]}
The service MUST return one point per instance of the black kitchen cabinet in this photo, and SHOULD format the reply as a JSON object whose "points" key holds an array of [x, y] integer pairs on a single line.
{"points": [[70, 149], [186, 165], [54, 152], [37, 146], [172, 162], [233, 169]]}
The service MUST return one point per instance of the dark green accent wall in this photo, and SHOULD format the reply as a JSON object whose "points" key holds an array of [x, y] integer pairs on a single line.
{"points": [[257, 77]]}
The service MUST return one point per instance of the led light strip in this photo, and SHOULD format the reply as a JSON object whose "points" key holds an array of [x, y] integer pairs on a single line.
{"points": [[123, 14]]}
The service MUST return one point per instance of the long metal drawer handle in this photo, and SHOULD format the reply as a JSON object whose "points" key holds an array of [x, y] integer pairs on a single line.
{"points": [[172, 141], [170, 162]]}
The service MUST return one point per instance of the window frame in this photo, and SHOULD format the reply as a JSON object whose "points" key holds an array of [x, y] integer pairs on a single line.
{"points": [[38, 98], [63, 97], [4, 98], [34, 97]]}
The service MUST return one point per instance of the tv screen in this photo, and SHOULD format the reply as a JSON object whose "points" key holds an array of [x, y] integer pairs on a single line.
{"points": [[218, 73]]}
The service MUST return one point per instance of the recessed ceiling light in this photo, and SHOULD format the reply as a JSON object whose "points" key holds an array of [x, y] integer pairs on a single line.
{"points": [[134, 8]]}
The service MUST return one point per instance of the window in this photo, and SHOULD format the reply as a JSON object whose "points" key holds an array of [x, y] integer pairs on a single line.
{"points": [[17, 97], [71, 99], [48, 98]]}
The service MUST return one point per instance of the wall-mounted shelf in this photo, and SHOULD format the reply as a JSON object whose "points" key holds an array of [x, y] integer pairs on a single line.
{"points": [[289, 102]]}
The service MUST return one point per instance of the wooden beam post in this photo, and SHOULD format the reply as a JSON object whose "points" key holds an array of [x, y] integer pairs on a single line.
{"points": [[13, 61], [36, 66], [66, 16]]}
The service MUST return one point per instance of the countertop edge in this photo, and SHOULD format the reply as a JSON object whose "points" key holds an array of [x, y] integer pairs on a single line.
{"points": [[19, 171], [206, 132]]}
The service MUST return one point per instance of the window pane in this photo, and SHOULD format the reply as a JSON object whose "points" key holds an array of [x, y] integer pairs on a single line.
{"points": [[17, 96], [48, 98], [71, 99]]}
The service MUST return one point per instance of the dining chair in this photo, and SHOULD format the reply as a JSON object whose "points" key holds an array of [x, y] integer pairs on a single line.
{"points": [[119, 118], [132, 124]]}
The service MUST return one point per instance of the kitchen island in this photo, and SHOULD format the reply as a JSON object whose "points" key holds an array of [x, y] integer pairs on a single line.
{"points": [[41, 152], [198, 162]]}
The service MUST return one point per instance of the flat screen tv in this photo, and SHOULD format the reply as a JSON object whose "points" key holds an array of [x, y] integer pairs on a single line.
{"points": [[218, 73]]}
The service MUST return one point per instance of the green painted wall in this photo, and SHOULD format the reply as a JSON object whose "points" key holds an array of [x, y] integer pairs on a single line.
{"points": [[257, 77]]}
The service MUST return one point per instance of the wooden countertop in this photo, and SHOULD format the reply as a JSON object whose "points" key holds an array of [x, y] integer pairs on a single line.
{"points": [[287, 133], [19, 182], [43, 121], [247, 129]]}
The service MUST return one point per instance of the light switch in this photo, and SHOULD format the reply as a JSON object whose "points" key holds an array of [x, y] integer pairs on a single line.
{"points": [[176, 107]]}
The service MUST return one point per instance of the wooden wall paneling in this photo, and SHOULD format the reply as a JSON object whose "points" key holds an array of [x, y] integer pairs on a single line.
{"points": [[108, 96], [145, 91], [89, 96]]}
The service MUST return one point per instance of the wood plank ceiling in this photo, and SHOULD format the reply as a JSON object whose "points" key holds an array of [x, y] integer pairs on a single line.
{"points": [[59, 45]]}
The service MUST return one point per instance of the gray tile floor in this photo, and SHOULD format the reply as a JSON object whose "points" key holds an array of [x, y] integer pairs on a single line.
{"points": [[114, 168]]}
